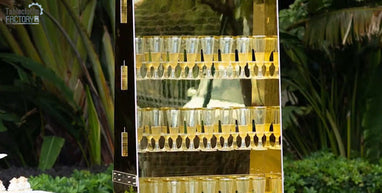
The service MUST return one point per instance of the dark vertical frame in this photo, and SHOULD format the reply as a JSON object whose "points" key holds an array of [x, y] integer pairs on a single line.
{"points": [[125, 168]]}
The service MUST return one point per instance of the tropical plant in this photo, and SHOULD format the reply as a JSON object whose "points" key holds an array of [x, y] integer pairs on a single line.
{"points": [[57, 79], [331, 65]]}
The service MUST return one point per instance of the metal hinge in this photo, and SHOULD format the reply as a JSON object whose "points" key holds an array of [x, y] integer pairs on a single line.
{"points": [[124, 178]]}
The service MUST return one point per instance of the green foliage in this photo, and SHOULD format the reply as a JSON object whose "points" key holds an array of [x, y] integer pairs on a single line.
{"points": [[43, 83], [325, 172], [79, 182], [290, 17], [131, 190], [94, 130], [50, 149], [24, 100], [337, 79]]}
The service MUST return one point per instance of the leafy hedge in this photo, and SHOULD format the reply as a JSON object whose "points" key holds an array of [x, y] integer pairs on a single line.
{"points": [[321, 172], [80, 182], [327, 173]]}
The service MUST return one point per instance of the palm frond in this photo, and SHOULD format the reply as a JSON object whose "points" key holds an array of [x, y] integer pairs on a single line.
{"points": [[343, 26]]}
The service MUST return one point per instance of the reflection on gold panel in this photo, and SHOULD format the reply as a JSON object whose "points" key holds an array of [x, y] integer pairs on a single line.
{"points": [[123, 11]]}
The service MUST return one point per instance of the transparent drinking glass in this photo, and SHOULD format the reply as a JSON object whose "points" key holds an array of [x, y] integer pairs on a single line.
{"points": [[153, 53], [208, 185], [199, 125], [270, 46], [158, 126], [242, 184], [146, 118], [268, 123], [227, 55], [139, 55], [226, 185], [258, 183], [172, 185], [275, 113], [227, 126], [143, 185], [276, 57], [165, 131], [172, 50], [210, 125], [189, 119], [140, 127], [275, 183], [191, 185], [258, 46], [258, 114], [244, 123], [175, 125], [218, 132], [244, 52], [192, 53], [207, 47], [154, 185]]}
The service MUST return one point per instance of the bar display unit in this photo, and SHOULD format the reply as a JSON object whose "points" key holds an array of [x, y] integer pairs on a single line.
{"points": [[197, 112]]}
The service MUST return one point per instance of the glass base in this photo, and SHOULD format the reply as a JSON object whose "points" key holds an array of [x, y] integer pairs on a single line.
{"points": [[259, 148], [225, 149]]}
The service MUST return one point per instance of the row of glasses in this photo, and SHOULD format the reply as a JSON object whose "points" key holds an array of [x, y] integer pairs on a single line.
{"points": [[222, 52], [256, 183], [225, 70], [206, 123]]}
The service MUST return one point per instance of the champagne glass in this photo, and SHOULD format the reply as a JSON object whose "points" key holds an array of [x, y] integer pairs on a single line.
{"points": [[217, 132], [155, 185], [189, 118], [226, 185], [192, 50], [143, 185], [270, 46], [208, 185], [258, 115], [191, 185], [227, 126], [275, 183], [207, 47], [146, 118], [158, 126], [276, 58], [210, 126], [139, 55], [268, 124], [154, 49], [174, 124], [140, 128], [276, 125], [258, 46], [199, 125], [244, 52], [172, 185], [166, 131], [242, 184], [227, 54], [243, 123], [258, 184], [172, 45]]}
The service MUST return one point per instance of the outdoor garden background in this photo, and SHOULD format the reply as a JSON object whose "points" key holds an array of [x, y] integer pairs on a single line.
{"points": [[57, 88]]}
